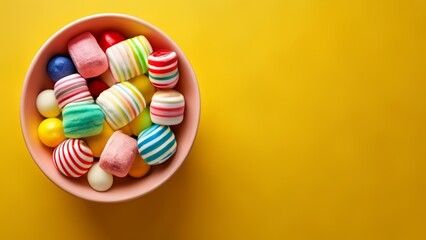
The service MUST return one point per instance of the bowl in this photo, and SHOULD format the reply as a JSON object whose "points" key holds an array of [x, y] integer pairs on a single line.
{"points": [[37, 80]]}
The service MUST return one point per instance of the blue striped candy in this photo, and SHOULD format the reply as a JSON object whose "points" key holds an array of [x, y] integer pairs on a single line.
{"points": [[156, 144]]}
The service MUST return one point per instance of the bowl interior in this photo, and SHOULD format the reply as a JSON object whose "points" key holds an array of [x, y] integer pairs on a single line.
{"points": [[37, 80]]}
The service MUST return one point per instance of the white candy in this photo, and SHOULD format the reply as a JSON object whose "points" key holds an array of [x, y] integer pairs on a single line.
{"points": [[47, 105], [99, 179]]}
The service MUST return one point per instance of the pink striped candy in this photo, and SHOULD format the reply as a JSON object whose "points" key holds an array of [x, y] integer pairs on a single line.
{"points": [[167, 107], [163, 69], [73, 158], [72, 88]]}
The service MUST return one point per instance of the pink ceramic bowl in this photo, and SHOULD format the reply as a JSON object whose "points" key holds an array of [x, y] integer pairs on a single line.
{"points": [[37, 80]]}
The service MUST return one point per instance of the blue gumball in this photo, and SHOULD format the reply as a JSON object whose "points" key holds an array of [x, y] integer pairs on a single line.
{"points": [[60, 66]]}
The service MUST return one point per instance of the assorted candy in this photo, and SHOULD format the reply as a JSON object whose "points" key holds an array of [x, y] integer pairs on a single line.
{"points": [[109, 112]]}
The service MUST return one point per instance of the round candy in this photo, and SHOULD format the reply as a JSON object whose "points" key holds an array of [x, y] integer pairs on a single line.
{"points": [[141, 122], [139, 167], [143, 84], [73, 158], [99, 179], [60, 66], [156, 144], [97, 143], [163, 69], [110, 38], [51, 132], [96, 87], [47, 105], [167, 107]]}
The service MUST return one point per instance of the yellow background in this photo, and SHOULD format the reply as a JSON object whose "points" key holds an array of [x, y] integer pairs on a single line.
{"points": [[313, 124]]}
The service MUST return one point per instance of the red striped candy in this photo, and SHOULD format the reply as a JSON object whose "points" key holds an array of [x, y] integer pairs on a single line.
{"points": [[167, 107], [72, 88], [73, 158], [163, 69]]}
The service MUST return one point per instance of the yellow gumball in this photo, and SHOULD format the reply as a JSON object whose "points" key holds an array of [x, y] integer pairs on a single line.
{"points": [[126, 130], [143, 84], [139, 167], [51, 132], [97, 143]]}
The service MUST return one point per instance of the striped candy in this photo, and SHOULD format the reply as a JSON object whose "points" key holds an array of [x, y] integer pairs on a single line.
{"points": [[156, 144], [72, 88], [82, 120], [121, 103], [167, 107], [129, 58], [72, 158], [163, 69]]}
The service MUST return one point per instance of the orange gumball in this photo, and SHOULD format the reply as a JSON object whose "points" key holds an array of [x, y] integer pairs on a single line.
{"points": [[139, 167]]}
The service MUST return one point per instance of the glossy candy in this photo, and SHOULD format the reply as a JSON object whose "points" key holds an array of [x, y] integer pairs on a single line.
{"points": [[96, 87], [72, 158], [121, 103], [82, 120], [47, 105], [98, 179], [167, 107], [51, 132], [98, 142], [143, 84], [118, 155], [141, 122], [60, 66], [110, 38], [163, 69], [129, 58], [156, 144], [139, 167], [72, 89], [88, 57]]}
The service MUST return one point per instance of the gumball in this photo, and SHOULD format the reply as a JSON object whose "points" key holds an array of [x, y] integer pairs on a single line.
{"points": [[127, 130], [139, 167], [97, 143], [110, 38], [96, 86], [143, 84], [47, 105], [141, 122], [60, 66], [51, 132], [99, 179]]}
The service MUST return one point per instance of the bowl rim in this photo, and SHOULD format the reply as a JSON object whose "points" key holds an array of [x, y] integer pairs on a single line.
{"points": [[182, 58]]}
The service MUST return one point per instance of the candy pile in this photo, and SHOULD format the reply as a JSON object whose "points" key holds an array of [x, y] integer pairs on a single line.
{"points": [[110, 109]]}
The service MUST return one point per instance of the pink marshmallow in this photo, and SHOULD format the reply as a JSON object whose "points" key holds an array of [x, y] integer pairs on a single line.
{"points": [[87, 55], [118, 154]]}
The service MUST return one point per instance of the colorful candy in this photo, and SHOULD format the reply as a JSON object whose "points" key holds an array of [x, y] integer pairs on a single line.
{"points": [[156, 144], [163, 69], [109, 38], [72, 88], [118, 155], [72, 158], [167, 107], [47, 105], [101, 116], [82, 120], [139, 167], [129, 58], [98, 142], [88, 57], [96, 87], [51, 132], [98, 179], [121, 104], [60, 66]]}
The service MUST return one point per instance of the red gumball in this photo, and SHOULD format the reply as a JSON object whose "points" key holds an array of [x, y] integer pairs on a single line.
{"points": [[96, 87], [109, 38]]}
